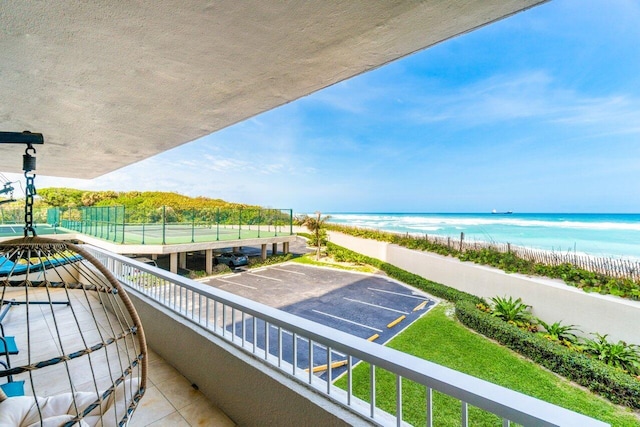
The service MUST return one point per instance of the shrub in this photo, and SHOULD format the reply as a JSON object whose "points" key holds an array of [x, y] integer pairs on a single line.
{"points": [[612, 383], [559, 333], [511, 310], [620, 355]]}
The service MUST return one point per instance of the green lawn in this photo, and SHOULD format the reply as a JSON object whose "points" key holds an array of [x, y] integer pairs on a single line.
{"points": [[310, 259], [441, 339]]}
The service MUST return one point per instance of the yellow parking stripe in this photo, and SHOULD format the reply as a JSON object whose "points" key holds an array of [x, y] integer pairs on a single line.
{"points": [[395, 322], [323, 368], [373, 337], [420, 306]]}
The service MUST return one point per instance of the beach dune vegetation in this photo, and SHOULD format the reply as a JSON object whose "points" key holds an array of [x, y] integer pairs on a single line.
{"points": [[510, 262]]}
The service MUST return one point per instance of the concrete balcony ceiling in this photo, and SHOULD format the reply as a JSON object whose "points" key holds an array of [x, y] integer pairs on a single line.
{"points": [[112, 83]]}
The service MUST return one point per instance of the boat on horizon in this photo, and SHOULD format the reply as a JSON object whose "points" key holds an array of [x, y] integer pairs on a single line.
{"points": [[495, 212]]}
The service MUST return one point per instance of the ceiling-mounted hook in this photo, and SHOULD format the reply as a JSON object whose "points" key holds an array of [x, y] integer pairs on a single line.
{"points": [[29, 161]]}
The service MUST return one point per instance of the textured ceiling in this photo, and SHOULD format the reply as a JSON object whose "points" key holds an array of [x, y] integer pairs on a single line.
{"points": [[111, 83]]}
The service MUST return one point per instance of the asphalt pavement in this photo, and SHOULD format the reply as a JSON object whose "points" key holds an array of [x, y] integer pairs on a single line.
{"points": [[369, 306]]}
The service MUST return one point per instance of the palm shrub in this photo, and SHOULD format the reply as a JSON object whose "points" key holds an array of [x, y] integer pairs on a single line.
{"points": [[620, 355], [557, 332], [316, 225], [513, 311]]}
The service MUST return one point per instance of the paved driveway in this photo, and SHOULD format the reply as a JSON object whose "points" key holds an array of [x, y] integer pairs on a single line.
{"points": [[368, 306]]}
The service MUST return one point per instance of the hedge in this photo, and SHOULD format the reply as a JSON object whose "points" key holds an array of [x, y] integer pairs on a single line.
{"points": [[614, 384]]}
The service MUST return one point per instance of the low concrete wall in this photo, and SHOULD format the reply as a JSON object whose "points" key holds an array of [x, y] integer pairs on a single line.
{"points": [[249, 392], [552, 300]]}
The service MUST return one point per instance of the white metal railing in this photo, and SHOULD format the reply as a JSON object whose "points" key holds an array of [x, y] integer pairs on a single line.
{"points": [[295, 345]]}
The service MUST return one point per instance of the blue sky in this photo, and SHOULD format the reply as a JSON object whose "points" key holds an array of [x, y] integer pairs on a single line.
{"points": [[539, 112]]}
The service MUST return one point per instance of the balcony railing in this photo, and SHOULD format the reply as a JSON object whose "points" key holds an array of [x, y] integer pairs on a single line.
{"points": [[294, 346]]}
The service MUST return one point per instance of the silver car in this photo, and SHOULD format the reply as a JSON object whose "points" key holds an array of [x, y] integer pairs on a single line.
{"points": [[232, 259]]}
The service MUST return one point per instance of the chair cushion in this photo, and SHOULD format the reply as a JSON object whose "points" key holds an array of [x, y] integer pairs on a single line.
{"points": [[14, 388], [11, 346]]}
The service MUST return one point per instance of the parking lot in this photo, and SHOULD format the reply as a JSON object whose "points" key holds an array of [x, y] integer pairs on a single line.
{"points": [[368, 306]]}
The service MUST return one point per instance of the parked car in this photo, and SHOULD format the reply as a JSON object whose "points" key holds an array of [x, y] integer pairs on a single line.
{"points": [[232, 259], [147, 261]]}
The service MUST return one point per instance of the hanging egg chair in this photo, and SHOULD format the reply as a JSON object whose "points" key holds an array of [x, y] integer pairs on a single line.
{"points": [[74, 348]]}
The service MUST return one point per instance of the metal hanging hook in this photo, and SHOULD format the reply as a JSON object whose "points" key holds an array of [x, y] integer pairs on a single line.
{"points": [[28, 161], [28, 166]]}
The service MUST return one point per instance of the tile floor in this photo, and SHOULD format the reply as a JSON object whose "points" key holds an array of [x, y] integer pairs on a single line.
{"points": [[171, 401]]}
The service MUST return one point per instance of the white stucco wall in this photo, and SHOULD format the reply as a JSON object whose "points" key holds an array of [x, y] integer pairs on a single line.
{"points": [[552, 300]]}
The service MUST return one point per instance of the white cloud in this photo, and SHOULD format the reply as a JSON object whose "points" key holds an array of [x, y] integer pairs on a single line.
{"points": [[533, 96]]}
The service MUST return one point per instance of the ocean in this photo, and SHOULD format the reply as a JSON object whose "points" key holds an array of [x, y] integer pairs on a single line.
{"points": [[606, 235]]}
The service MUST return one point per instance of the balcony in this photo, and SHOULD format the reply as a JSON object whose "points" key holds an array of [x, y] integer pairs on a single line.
{"points": [[217, 340]]}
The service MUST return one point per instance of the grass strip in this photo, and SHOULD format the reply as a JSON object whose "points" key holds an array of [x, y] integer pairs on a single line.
{"points": [[443, 340]]}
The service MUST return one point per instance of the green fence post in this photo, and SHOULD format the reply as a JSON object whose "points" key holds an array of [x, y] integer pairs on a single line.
{"points": [[124, 221], [259, 221], [275, 223], [217, 223], [290, 222], [108, 221], [164, 224], [193, 224], [240, 223]]}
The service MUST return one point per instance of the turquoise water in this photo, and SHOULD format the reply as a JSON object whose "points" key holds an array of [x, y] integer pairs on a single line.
{"points": [[609, 235]]}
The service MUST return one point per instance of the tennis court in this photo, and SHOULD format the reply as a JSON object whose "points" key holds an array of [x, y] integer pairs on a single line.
{"points": [[166, 226], [167, 234], [17, 230]]}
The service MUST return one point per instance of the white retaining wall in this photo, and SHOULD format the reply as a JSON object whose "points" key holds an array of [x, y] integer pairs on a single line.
{"points": [[552, 300]]}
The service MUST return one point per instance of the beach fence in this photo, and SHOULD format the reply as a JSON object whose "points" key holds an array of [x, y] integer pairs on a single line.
{"points": [[167, 225], [612, 267]]}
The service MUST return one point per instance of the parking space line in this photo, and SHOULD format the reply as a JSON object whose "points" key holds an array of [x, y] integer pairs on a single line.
{"points": [[288, 271], [376, 305], [322, 368], [398, 293], [420, 306], [347, 320], [234, 283], [264, 277], [395, 322]]}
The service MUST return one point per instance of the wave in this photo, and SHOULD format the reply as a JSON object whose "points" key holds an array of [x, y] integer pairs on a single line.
{"points": [[437, 222]]}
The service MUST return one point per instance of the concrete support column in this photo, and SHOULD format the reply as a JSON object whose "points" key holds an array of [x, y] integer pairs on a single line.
{"points": [[274, 249], [182, 260], [208, 257], [173, 263], [285, 248], [235, 249], [154, 256], [263, 251]]}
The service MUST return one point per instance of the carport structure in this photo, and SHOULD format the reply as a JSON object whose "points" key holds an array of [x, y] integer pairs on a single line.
{"points": [[178, 252]]}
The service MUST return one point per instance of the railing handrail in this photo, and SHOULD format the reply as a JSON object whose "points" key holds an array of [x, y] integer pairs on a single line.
{"points": [[499, 400]]}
